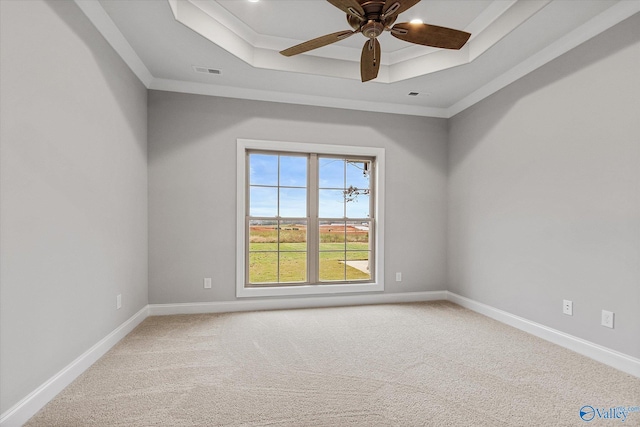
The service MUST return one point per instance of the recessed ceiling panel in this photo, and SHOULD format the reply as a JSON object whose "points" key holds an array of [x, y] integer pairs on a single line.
{"points": [[252, 31], [306, 19]]}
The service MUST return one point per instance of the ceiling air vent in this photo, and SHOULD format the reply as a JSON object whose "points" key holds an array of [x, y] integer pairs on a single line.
{"points": [[205, 70], [419, 94]]}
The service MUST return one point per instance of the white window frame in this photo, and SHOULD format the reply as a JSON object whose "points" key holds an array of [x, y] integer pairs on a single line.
{"points": [[311, 289]]}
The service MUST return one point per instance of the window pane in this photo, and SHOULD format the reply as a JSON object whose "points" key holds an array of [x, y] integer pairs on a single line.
{"points": [[263, 267], [332, 247], [358, 265], [357, 236], [331, 204], [293, 266], [293, 171], [358, 174], [293, 202], [293, 236], [263, 236], [330, 173], [331, 233], [332, 266], [263, 169], [357, 205], [263, 201]]}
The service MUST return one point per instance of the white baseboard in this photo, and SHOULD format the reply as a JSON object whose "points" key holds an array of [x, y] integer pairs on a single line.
{"points": [[37, 399], [615, 359], [289, 303]]}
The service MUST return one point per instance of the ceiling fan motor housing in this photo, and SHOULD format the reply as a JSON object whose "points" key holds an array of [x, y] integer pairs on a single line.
{"points": [[372, 29], [373, 23]]}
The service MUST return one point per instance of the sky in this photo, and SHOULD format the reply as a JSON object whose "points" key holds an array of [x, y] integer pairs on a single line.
{"points": [[286, 175]]}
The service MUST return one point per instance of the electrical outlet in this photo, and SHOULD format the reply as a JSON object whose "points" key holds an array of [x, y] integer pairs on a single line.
{"points": [[607, 319], [398, 277], [567, 307], [207, 282], [118, 301]]}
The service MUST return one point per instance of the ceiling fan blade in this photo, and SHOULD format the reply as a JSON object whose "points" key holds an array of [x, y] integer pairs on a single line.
{"points": [[351, 7], [370, 60], [395, 7], [430, 35], [317, 42]]}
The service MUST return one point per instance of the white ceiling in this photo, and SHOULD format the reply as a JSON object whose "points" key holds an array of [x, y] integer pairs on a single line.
{"points": [[162, 40]]}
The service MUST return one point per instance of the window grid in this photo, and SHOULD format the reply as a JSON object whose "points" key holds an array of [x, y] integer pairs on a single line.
{"points": [[279, 223], [313, 249], [349, 253]]}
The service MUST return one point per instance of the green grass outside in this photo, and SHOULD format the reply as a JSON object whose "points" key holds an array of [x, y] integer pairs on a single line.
{"points": [[297, 234], [263, 262]]}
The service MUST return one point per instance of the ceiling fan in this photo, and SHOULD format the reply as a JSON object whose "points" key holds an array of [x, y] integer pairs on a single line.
{"points": [[371, 18]]}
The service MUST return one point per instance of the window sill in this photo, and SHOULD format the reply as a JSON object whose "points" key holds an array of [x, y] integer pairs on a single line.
{"points": [[324, 289]]}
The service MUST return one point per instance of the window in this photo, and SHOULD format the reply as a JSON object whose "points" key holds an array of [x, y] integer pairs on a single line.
{"points": [[277, 219], [309, 218]]}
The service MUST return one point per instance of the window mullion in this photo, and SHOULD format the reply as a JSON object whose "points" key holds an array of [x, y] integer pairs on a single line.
{"points": [[344, 214], [313, 237], [278, 225]]}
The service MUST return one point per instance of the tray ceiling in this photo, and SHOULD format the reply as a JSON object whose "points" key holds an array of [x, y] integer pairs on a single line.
{"points": [[165, 41]]}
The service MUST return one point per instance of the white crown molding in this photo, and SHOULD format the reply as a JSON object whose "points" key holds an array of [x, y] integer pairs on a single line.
{"points": [[600, 23], [494, 11], [101, 20], [508, 20], [615, 359], [293, 98], [228, 20], [19, 413]]}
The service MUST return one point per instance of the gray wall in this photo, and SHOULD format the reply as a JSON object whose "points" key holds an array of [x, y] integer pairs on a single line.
{"points": [[544, 193], [192, 187], [73, 189]]}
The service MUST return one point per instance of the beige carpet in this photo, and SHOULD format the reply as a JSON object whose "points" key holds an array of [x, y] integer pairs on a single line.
{"points": [[421, 364]]}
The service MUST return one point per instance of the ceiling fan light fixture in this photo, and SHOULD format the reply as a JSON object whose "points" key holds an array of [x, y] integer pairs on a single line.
{"points": [[416, 21]]}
